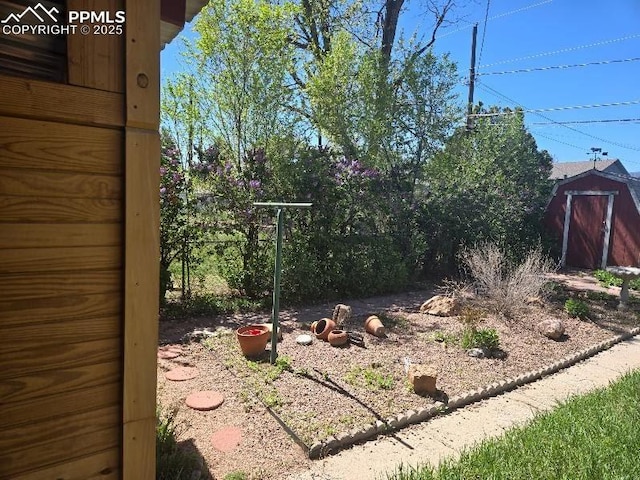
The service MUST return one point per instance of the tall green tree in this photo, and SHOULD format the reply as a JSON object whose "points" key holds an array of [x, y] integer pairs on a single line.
{"points": [[490, 184]]}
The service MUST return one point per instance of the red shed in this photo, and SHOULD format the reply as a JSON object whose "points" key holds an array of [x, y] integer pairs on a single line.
{"points": [[596, 217]]}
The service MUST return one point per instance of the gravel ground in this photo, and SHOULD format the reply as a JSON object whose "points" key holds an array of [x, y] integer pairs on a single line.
{"points": [[321, 390]]}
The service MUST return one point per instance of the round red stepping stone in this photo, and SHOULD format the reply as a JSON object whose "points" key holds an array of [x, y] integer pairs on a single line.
{"points": [[167, 354], [227, 439], [181, 373], [205, 400]]}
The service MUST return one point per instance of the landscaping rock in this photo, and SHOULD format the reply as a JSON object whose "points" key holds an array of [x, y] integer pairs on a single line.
{"points": [[304, 339], [499, 354], [479, 352], [423, 379], [441, 306], [553, 329], [341, 314]]}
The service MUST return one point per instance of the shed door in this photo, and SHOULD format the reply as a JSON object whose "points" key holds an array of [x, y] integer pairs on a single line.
{"points": [[586, 231]]}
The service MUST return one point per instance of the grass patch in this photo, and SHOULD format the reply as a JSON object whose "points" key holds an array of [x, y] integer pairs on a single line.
{"points": [[172, 461], [370, 377], [593, 437], [444, 337]]}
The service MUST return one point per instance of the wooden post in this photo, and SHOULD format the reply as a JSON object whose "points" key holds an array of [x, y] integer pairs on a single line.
{"points": [[142, 242]]}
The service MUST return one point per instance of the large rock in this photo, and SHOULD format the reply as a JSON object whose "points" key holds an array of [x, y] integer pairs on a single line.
{"points": [[441, 306], [341, 314], [553, 329], [423, 379]]}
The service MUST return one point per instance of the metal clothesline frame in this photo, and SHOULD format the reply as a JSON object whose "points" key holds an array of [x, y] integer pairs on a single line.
{"points": [[275, 312]]}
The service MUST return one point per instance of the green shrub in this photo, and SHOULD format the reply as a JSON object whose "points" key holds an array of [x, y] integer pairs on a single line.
{"points": [[576, 308], [480, 338], [608, 279]]}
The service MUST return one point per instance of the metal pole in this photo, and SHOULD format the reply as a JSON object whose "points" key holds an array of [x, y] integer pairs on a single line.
{"points": [[275, 322], [472, 78]]}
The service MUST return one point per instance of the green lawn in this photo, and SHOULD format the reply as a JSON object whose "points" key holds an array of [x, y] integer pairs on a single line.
{"points": [[595, 437]]}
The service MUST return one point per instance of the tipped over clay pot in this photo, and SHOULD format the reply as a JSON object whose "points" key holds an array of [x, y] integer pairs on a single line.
{"points": [[313, 327], [374, 326], [324, 327], [337, 338]]}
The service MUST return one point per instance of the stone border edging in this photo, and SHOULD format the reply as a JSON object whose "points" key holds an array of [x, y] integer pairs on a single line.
{"points": [[342, 440]]}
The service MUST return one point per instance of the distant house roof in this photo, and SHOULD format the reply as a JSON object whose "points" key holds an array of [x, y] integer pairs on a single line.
{"points": [[569, 169]]}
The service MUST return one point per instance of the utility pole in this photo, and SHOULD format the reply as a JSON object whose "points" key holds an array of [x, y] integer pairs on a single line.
{"points": [[472, 78]]}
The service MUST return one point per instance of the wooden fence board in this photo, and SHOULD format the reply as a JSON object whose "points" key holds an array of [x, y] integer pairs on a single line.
{"points": [[62, 404], [26, 336], [46, 285], [41, 145], [33, 457], [34, 183], [26, 260], [23, 363], [25, 235], [46, 310], [52, 382], [59, 210], [100, 466]]}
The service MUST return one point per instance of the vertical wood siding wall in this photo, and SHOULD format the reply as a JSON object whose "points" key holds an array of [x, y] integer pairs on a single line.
{"points": [[62, 268]]}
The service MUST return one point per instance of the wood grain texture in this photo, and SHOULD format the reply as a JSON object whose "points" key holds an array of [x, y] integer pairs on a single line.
{"points": [[56, 184], [14, 438], [46, 285], [34, 336], [142, 154], [52, 382], [143, 64], [141, 274], [48, 310], [139, 439], [40, 100], [30, 260], [25, 235], [27, 362], [40, 145], [59, 210], [100, 466], [63, 404], [66, 448], [96, 61]]}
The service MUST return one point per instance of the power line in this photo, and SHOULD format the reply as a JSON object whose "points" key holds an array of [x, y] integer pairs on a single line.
{"points": [[564, 50], [557, 109], [484, 30], [559, 141], [627, 147], [512, 12], [612, 120], [556, 67]]}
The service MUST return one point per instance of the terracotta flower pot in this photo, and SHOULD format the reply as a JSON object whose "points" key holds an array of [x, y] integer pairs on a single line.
{"points": [[313, 327], [253, 339], [324, 327], [338, 338], [374, 326]]}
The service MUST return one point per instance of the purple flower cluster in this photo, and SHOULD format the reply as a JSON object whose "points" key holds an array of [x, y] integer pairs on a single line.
{"points": [[351, 169]]}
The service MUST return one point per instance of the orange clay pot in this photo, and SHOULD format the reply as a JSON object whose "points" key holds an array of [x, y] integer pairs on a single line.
{"points": [[313, 327], [374, 326], [253, 339], [337, 338], [323, 328]]}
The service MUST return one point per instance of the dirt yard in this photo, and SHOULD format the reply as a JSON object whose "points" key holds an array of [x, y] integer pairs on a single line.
{"points": [[318, 390]]}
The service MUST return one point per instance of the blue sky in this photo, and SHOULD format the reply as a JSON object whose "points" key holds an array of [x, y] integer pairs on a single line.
{"points": [[524, 34]]}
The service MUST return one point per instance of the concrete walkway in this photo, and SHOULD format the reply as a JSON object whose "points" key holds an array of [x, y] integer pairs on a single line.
{"points": [[447, 435]]}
